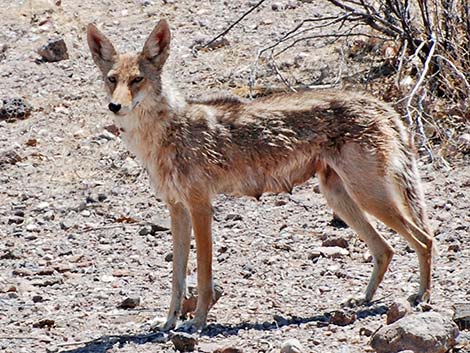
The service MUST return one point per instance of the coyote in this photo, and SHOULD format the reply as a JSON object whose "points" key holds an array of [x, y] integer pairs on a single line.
{"points": [[193, 150]]}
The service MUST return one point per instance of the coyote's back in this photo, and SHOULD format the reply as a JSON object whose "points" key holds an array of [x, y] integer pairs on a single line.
{"points": [[193, 150]]}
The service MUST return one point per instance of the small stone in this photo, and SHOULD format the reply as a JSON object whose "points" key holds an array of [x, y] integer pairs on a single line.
{"points": [[15, 220], [130, 303], [15, 108], [31, 142], [291, 346], [45, 272], [342, 317], [47, 281], [22, 272], [219, 43], [398, 310], [9, 157], [276, 6], [65, 224], [184, 342], [37, 299], [233, 217], [32, 228], [120, 273], [364, 331], [455, 247], [421, 333], [336, 241], [169, 257], [13, 295], [107, 278], [299, 59], [462, 315], [42, 206], [55, 50], [131, 167], [44, 323], [292, 4], [330, 251], [112, 129], [102, 197], [228, 350]]}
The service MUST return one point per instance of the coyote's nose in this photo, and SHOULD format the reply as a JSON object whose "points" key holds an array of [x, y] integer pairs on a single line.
{"points": [[114, 107]]}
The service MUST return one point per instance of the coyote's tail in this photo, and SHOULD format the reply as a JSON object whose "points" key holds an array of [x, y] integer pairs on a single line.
{"points": [[409, 183]]}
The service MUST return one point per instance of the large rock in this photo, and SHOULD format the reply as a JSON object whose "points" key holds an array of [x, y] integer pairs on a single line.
{"points": [[421, 333]]}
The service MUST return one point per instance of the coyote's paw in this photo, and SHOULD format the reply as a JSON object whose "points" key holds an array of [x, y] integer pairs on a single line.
{"points": [[416, 299], [191, 326], [159, 324]]}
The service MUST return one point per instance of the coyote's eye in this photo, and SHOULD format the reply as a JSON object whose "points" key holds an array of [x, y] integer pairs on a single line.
{"points": [[112, 79], [137, 79]]}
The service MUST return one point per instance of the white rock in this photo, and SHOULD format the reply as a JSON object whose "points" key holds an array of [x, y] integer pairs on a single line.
{"points": [[291, 345]]}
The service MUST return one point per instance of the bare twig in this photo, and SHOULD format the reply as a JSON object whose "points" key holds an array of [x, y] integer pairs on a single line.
{"points": [[225, 31], [400, 62], [279, 74], [415, 90], [459, 73]]}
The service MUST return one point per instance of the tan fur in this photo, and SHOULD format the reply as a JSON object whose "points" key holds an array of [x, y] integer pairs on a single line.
{"points": [[194, 150]]}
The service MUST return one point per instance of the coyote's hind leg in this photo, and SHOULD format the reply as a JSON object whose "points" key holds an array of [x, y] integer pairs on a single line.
{"points": [[390, 190], [339, 200]]}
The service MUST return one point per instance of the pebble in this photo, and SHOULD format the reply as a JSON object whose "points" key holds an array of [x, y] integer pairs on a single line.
{"points": [[462, 315], [276, 6], [291, 345], [328, 251], [228, 350], [184, 342], [42, 206], [342, 317], [130, 303], [32, 227], [37, 299], [44, 323], [15, 108], [336, 241], [169, 257], [55, 50]]}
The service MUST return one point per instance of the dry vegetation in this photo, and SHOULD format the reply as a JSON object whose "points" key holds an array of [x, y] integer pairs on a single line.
{"points": [[418, 54]]}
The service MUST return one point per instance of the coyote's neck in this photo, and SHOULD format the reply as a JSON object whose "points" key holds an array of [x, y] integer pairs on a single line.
{"points": [[145, 127]]}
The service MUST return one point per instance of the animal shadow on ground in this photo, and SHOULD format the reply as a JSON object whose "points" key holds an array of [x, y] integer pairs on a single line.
{"points": [[105, 343]]}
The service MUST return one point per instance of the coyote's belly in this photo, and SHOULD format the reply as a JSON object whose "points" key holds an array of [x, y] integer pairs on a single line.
{"points": [[258, 178]]}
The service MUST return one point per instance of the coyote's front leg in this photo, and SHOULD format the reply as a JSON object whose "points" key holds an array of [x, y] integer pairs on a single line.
{"points": [[201, 216], [181, 233]]}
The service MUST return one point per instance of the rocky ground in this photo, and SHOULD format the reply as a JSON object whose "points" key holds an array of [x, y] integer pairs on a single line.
{"points": [[81, 230]]}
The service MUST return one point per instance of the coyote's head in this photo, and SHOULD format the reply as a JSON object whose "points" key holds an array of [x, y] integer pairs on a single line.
{"points": [[130, 78]]}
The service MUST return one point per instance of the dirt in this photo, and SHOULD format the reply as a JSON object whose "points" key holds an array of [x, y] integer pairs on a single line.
{"points": [[81, 231]]}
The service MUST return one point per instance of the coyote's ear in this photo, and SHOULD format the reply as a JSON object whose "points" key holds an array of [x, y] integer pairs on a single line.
{"points": [[157, 47], [102, 50]]}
